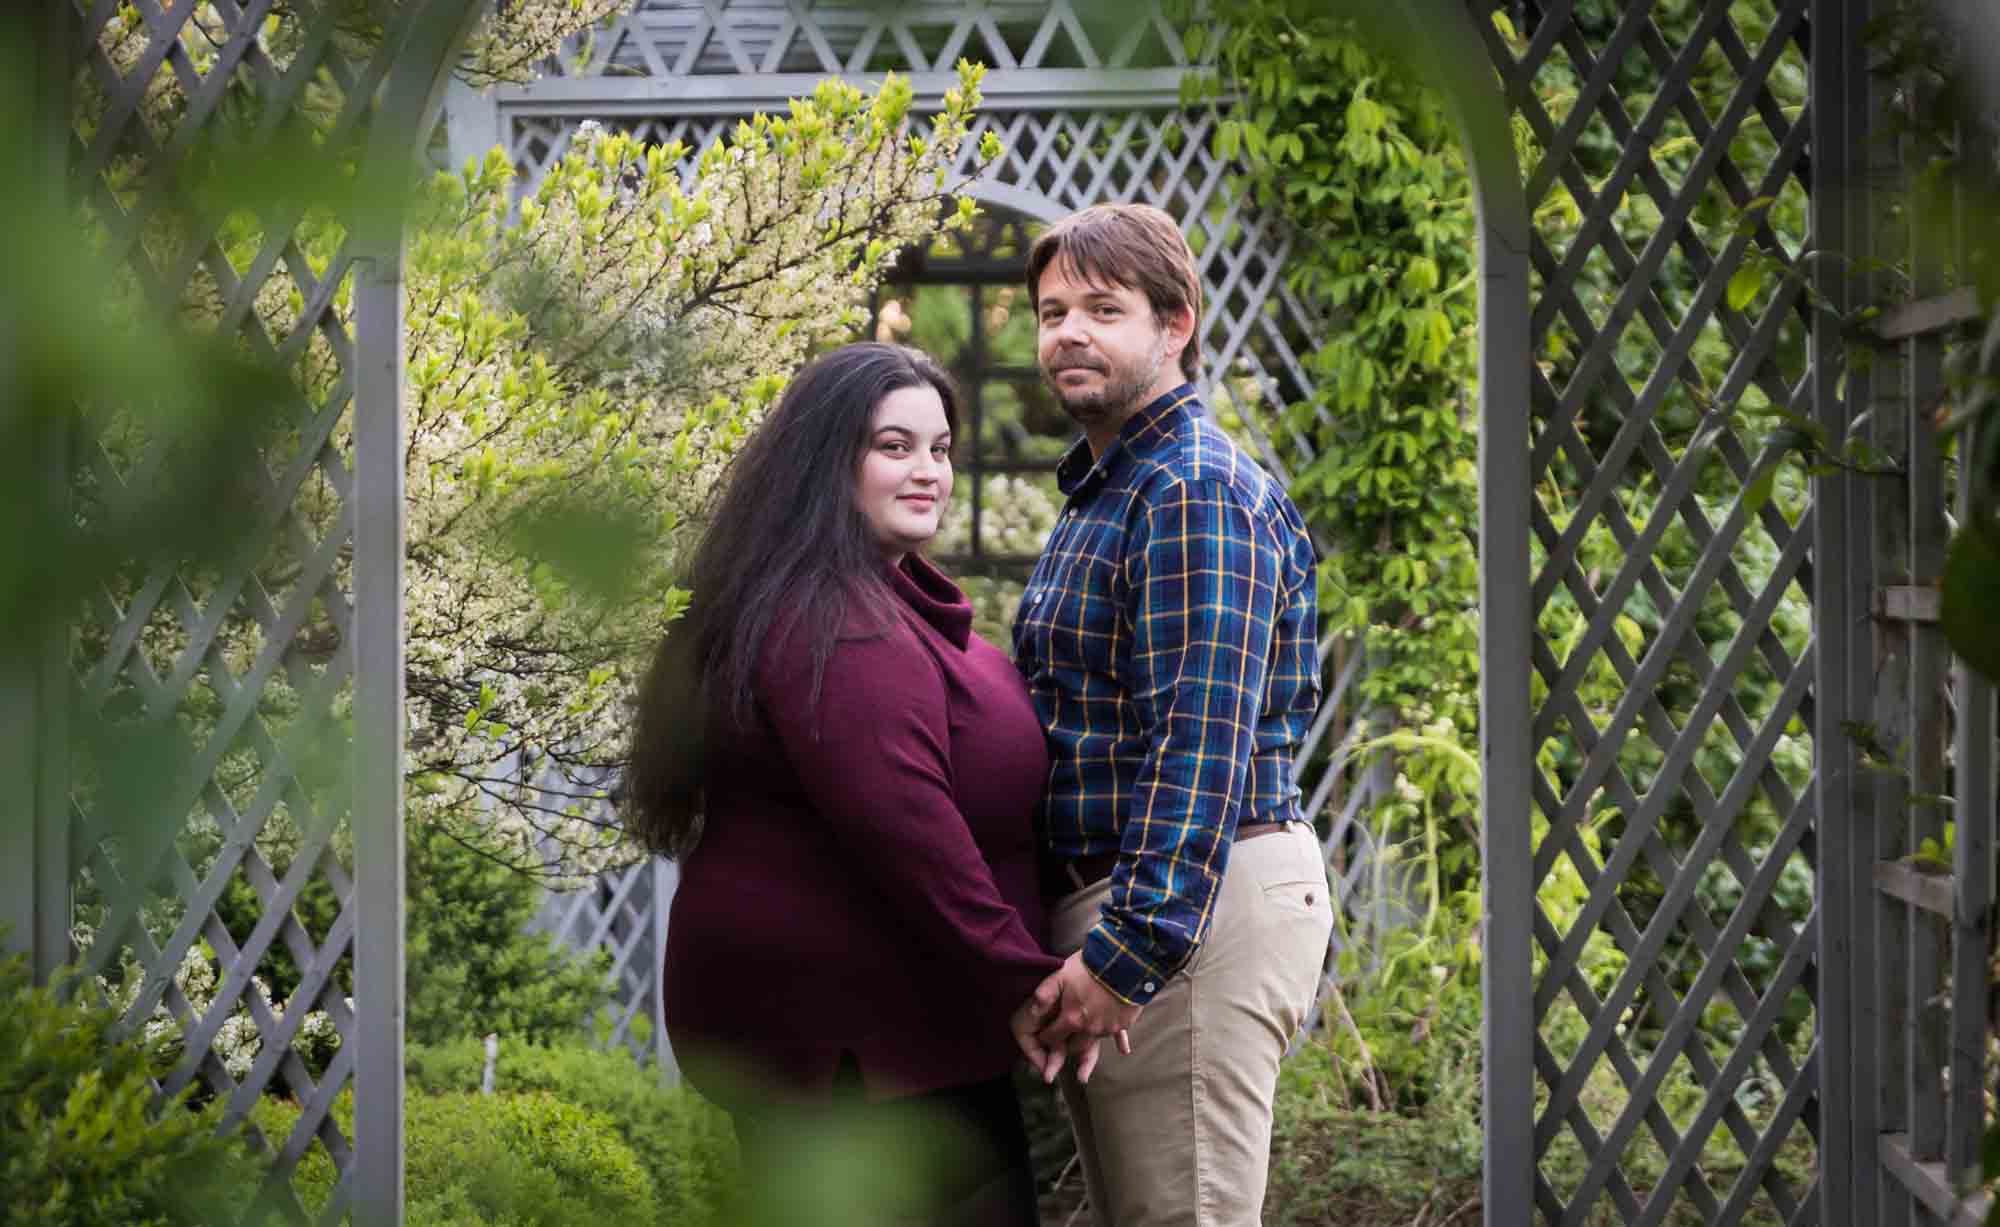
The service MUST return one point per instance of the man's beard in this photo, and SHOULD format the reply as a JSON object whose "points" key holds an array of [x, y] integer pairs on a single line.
{"points": [[1121, 391]]}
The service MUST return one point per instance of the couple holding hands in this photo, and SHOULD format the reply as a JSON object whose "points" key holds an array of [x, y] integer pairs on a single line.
{"points": [[910, 861]]}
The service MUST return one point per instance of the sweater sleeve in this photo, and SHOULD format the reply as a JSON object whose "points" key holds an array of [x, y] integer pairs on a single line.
{"points": [[873, 756]]}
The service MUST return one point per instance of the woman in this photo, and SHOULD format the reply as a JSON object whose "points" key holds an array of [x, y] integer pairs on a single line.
{"points": [[849, 774]]}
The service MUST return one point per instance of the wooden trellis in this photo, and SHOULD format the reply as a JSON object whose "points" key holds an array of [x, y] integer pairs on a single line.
{"points": [[1599, 432], [257, 660], [624, 914], [1803, 1029]]}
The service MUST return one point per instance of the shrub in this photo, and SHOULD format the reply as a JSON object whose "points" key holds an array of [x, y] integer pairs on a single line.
{"points": [[314, 1177], [82, 1142], [472, 961], [685, 1142], [513, 1160]]}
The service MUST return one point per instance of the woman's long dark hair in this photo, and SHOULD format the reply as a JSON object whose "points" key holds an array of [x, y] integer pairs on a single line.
{"points": [[787, 549]]}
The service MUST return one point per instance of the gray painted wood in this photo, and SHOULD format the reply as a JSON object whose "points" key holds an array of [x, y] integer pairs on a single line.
{"points": [[49, 935], [1926, 499], [1670, 1008], [1839, 119], [1457, 34], [347, 570], [423, 49]]}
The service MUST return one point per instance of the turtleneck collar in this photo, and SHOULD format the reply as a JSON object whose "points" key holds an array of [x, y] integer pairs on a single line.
{"points": [[934, 597]]}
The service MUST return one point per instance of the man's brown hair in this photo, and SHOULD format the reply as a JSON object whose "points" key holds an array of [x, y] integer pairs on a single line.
{"points": [[1133, 247]]}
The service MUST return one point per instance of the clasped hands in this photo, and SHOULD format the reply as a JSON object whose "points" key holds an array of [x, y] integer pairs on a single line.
{"points": [[1067, 1017]]}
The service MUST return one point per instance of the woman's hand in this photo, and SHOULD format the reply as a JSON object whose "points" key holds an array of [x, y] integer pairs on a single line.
{"points": [[1027, 1021]]}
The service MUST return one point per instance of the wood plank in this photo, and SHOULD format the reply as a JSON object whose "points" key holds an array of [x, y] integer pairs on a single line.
{"points": [[1928, 315], [1927, 1183], [1920, 603], [1930, 891]]}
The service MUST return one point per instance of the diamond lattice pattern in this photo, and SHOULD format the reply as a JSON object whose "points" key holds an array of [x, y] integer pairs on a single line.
{"points": [[679, 38], [225, 915], [618, 914], [1673, 657]]}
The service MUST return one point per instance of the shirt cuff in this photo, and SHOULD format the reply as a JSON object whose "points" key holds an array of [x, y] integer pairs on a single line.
{"points": [[1116, 966]]}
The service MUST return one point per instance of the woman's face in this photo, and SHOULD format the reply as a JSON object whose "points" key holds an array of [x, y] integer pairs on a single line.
{"points": [[905, 478]]}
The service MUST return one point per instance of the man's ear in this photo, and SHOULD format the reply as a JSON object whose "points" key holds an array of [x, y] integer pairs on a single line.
{"points": [[1179, 328]]}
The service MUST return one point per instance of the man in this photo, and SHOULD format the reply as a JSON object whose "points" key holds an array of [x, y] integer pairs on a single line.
{"points": [[1168, 636]]}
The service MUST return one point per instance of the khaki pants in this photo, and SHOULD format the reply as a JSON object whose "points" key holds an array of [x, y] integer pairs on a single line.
{"points": [[1179, 1132]]}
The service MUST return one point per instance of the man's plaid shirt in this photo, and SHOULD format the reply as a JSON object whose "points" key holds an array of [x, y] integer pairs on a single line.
{"points": [[1169, 638]]}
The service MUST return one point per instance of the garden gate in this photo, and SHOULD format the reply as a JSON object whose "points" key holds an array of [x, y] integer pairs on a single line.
{"points": [[1723, 974]]}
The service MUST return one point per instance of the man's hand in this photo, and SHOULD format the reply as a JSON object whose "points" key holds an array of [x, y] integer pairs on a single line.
{"points": [[1084, 1013]]}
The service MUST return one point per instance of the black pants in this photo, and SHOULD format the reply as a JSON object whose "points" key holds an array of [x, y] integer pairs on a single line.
{"points": [[956, 1157]]}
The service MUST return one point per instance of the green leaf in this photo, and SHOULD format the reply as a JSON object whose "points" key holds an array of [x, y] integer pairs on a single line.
{"points": [[1228, 138], [1971, 613], [1744, 286], [1758, 492]]}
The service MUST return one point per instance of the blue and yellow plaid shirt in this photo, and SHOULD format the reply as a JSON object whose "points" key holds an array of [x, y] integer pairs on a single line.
{"points": [[1169, 638]]}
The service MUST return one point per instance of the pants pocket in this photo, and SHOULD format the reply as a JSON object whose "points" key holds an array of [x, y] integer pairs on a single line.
{"points": [[1298, 921], [1302, 897]]}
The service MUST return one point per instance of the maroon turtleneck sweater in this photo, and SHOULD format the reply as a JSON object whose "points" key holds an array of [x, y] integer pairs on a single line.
{"points": [[865, 881]]}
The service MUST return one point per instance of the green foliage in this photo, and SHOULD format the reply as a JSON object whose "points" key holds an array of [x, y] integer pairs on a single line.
{"points": [[82, 1143], [1333, 1163], [472, 962], [1364, 164], [1403, 1021], [513, 1160], [685, 1142]]}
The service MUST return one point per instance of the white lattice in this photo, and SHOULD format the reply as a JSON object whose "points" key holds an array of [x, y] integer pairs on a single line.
{"points": [[682, 38], [623, 914]]}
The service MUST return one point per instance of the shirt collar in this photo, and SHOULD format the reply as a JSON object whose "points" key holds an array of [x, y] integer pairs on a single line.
{"points": [[934, 597], [1145, 430]]}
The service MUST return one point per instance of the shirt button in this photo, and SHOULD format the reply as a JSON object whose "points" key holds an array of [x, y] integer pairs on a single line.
{"points": [[1149, 986], [1070, 514], [1035, 599]]}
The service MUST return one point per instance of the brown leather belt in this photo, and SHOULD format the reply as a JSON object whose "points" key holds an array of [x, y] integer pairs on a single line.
{"points": [[1066, 875]]}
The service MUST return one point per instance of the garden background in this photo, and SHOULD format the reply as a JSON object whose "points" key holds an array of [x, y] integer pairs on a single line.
{"points": [[582, 360]]}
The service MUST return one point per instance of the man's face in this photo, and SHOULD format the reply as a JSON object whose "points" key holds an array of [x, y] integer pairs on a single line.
{"points": [[1100, 347]]}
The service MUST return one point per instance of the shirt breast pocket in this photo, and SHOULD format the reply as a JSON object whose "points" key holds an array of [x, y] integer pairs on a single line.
{"points": [[1087, 628]]}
